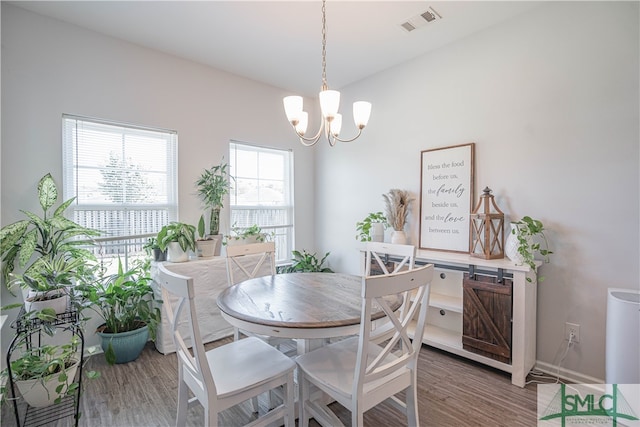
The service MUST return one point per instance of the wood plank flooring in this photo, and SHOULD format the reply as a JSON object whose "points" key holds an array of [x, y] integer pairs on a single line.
{"points": [[452, 392]]}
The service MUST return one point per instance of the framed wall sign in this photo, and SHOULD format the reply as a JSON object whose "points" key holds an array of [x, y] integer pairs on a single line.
{"points": [[446, 197]]}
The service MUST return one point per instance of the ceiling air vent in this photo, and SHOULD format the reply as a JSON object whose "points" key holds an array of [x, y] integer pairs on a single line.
{"points": [[420, 20], [408, 26]]}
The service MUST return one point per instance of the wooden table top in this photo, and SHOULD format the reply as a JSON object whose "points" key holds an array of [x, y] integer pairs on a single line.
{"points": [[298, 300]]}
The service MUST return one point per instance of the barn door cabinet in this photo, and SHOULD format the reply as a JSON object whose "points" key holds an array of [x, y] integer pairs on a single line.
{"points": [[484, 310]]}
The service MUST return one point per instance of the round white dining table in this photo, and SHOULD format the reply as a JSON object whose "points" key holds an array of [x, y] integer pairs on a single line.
{"points": [[306, 306]]}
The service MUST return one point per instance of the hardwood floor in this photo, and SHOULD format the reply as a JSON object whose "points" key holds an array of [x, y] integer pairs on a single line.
{"points": [[452, 392]]}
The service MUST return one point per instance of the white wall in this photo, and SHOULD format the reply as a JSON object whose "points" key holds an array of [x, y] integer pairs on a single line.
{"points": [[551, 100], [50, 68]]}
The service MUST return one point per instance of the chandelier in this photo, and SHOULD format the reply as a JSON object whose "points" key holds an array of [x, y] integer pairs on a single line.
{"points": [[331, 120]]}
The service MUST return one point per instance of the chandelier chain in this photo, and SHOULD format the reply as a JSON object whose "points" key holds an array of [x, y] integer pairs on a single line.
{"points": [[324, 47]]}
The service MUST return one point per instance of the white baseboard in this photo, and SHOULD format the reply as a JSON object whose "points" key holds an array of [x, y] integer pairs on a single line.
{"points": [[567, 374]]}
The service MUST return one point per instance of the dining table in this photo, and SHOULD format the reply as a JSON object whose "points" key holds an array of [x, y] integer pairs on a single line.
{"points": [[308, 307]]}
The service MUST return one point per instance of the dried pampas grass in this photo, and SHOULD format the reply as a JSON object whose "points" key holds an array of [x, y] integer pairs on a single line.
{"points": [[397, 207]]}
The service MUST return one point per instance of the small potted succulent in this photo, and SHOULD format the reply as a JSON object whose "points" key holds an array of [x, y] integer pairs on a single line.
{"points": [[178, 238]]}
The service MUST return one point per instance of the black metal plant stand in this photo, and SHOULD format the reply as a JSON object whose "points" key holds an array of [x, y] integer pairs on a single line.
{"points": [[29, 331]]}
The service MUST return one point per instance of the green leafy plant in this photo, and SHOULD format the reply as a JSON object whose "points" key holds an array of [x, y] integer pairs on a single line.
{"points": [[183, 234], [306, 262], [364, 227], [51, 238], [47, 363], [213, 184], [531, 241], [124, 301], [241, 233]]}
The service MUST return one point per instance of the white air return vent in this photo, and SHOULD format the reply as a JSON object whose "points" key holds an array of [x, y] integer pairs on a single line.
{"points": [[420, 20]]}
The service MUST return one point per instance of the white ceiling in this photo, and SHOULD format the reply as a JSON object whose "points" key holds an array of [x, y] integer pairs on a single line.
{"points": [[279, 42]]}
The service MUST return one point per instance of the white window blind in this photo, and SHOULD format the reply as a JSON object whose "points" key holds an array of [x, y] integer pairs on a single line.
{"points": [[124, 177], [262, 192]]}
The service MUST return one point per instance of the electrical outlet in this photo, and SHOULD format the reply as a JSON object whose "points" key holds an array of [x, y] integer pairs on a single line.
{"points": [[572, 329]]}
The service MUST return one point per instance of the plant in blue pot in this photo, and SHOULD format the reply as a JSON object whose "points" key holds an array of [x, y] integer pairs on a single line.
{"points": [[125, 301]]}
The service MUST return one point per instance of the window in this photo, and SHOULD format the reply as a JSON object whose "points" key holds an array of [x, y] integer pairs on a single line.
{"points": [[123, 177], [262, 192]]}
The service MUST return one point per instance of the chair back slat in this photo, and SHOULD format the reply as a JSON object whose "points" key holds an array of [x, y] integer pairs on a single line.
{"points": [[378, 360], [249, 261], [178, 301], [376, 251]]}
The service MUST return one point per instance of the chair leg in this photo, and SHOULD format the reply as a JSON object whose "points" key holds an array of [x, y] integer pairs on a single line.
{"points": [[303, 391], [289, 399], [412, 405], [357, 416], [183, 402], [236, 334]]}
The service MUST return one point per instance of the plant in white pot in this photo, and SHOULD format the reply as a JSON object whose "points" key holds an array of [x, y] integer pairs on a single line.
{"points": [[213, 184], [397, 204], [46, 248], [246, 235], [178, 238], [372, 227], [525, 241], [45, 374], [205, 243]]}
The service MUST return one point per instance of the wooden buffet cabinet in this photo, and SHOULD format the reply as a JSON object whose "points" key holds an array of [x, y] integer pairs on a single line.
{"points": [[483, 310]]}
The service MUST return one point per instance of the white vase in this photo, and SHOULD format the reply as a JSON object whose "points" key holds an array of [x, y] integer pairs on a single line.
{"points": [[377, 232], [398, 237], [175, 253], [511, 245]]}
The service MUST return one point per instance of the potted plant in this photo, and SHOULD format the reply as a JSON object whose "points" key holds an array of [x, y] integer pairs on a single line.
{"points": [[213, 184], [397, 208], [125, 302], [50, 249], [305, 262], [152, 248], [178, 238], [245, 235], [372, 227], [44, 375], [525, 241], [205, 244]]}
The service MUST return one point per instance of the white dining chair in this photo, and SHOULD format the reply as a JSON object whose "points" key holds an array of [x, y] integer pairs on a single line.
{"points": [[227, 375], [358, 372], [247, 262], [404, 255], [403, 259]]}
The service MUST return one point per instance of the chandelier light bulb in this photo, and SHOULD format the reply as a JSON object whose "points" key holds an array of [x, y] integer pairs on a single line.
{"points": [[329, 103], [336, 125], [361, 113], [293, 108], [301, 127]]}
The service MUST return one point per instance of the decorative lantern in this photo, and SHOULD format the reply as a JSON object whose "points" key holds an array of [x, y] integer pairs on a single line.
{"points": [[487, 228]]}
